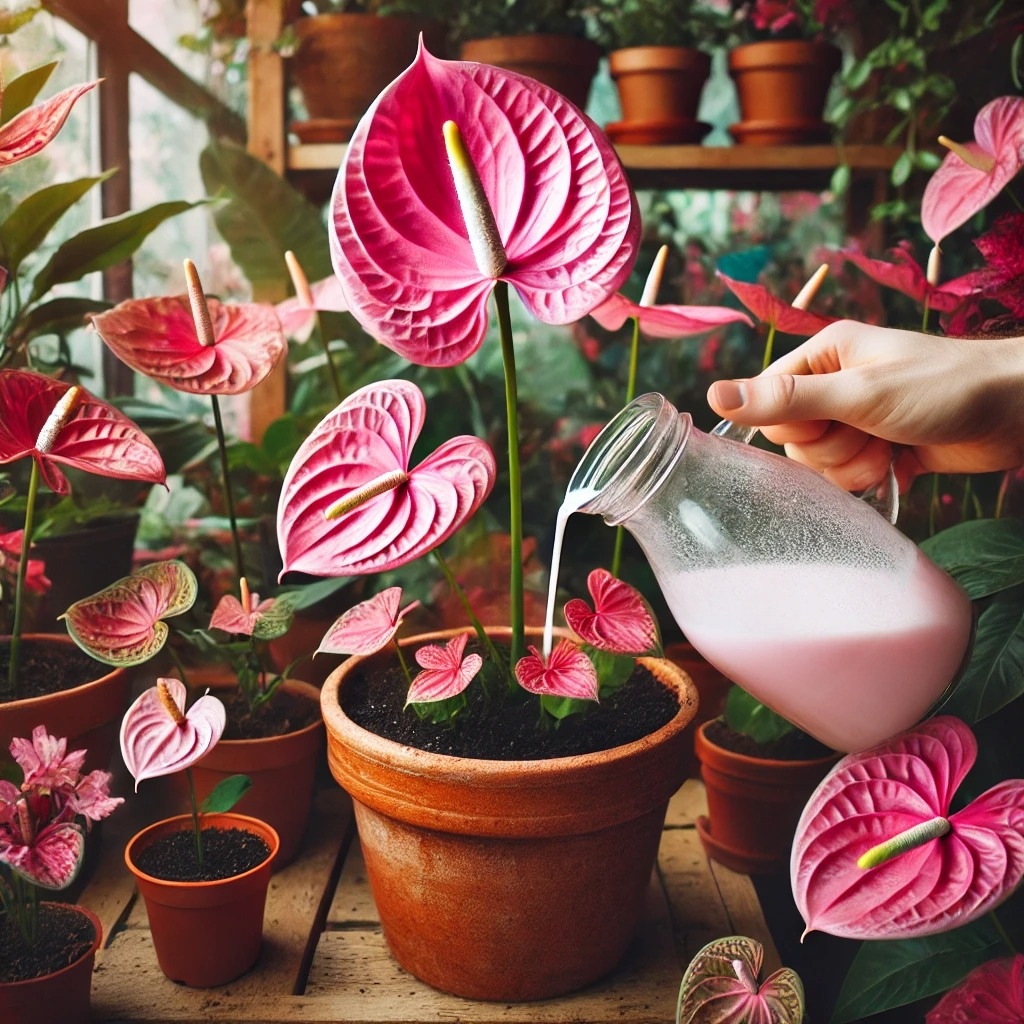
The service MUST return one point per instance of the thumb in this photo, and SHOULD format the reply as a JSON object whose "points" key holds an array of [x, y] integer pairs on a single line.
{"points": [[777, 398]]}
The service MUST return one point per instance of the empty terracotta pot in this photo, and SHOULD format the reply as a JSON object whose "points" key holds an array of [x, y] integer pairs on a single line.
{"points": [[659, 83]]}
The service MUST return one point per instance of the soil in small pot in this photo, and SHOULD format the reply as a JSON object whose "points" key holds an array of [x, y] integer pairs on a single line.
{"points": [[64, 937], [794, 746], [45, 669], [282, 714], [506, 728], [226, 852]]}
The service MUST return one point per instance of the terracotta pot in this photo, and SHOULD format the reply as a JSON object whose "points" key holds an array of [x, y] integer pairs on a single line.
{"points": [[566, 63], [89, 715], [782, 85], [712, 689], [507, 880], [344, 60], [297, 645], [61, 996], [205, 933], [754, 805]]}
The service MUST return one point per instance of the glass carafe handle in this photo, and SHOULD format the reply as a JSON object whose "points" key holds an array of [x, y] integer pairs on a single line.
{"points": [[883, 496]]}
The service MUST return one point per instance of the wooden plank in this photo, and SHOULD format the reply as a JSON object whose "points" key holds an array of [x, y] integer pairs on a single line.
{"points": [[687, 805], [353, 906], [744, 912]]}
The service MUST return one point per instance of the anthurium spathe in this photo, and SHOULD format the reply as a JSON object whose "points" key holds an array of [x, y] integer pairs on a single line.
{"points": [[350, 503], [447, 671], [991, 994], [369, 626], [563, 221], [620, 621], [28, 132], [566, 672], [790, 318], [247, 615], [878, 855]]}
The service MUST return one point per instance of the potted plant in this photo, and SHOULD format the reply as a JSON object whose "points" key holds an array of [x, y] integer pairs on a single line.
{"points": [[46, 948]]}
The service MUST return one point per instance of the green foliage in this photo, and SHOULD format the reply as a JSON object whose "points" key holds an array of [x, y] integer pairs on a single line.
{"points": [[623, 23], [408, 8], [226, 794], [20, 93], [483, 19], [984, 556], [746, 715]]}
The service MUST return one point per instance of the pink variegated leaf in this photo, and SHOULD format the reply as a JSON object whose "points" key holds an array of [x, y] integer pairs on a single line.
{"points": [[45, 762], [721, 986], [568, 672], [904, 274], [446, 673], [26, 134], [666, 321], [158, 337], [620, 621], [95, 438], [158, 737], [92, 798], [958, 190], [564, 212], [298, 316], [367, 627], [991, 994], [773, 311], [123, 624], [965, 864], [50, 859], [10, 794], [360, 449]]}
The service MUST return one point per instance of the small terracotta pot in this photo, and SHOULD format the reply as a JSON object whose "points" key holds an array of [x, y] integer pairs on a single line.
{"points": [[712, 689], [295, 649], [566, 63], [61, 996], [659, 83], [754, 805], [205, 933], [507, 880]]}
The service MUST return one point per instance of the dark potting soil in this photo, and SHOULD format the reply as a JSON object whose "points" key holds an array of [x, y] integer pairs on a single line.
{"points": [[65, 935], [48, 668], [226, 852], [794, 746], [507, 728], [282, 714]]}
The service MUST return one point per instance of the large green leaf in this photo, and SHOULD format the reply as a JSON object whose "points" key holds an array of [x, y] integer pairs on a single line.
{"points": [[894, 973], [984, 555], [262, 216], [20, 92], [30, 221], [746, 714], [57, 316], [104, 245]]}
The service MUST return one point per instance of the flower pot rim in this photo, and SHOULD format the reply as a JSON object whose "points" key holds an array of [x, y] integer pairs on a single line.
{"points": [[97, 925], [654, 57], [701, 738], [748, 55], [311, 24], [559, 37], [59, 640]]}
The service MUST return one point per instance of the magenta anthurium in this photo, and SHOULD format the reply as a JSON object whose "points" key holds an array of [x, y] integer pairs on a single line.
{"points": [[666, 321], [878, 855], [991, 994], [298, 314], [776, 312], [27, 133], [722, 986], [369, 626], [123, 624], [243, 616], [447, 671], [620, 621], [567, 672], [350, 503]]}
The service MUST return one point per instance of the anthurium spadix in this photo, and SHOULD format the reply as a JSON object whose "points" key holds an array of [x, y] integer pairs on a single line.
{"points": [[545, 207], [878, 855], [350, 504]]}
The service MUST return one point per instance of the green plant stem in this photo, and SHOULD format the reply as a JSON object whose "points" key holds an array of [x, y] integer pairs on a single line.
{"points": [[1004, 486], [26, 908], [403, 663], [933, 505], [335, 378], [196, 830], [768, 345], [11, 690], [966, 502], [998, 925], [634, 359], [515, 489], [1013, 198], [178, 664], [925, 310], [229, 501]]}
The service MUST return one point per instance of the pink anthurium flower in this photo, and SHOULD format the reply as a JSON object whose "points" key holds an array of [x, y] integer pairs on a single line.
{"points": [[45, 762], [241, 616], [123, 624], [568, 672], [446, 673], [49, 857], [777, 313], [877, 855], [721, 987], [350, 504], [991, 994], [158, 737], [32, 129], [620, 621], [974, 173], [367, 627], [550, 210], [298, 314], [36, 579]]}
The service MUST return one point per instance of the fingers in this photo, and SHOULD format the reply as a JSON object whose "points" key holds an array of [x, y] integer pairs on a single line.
{"points": [[779, 398], [863, 467]]}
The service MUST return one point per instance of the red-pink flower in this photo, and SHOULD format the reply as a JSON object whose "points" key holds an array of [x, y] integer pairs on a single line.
{"points": [[991, 994], [565, 222], [45, 762], [620, 621], [446, 673], [27, 133], [666, 321], [241, 616], [774, 311], [877, 855], [368, 626], [973, 174], [774, 15], [568, 672], [36, 579], [298, 314]]}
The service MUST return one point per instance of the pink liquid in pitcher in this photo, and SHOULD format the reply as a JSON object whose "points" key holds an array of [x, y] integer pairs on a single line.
{"points": [[852, 656]]}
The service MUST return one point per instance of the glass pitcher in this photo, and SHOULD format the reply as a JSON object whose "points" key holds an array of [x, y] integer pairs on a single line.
{"points": [[793, 588]]}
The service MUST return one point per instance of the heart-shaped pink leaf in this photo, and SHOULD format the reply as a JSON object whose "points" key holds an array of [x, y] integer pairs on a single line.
{"points": [[620, 621], [568, 672], [123, 623], [721, 986], [960, 188], [564, 211], [991, 994], [368, 626], [35, 127], [973, 860], [904, 274], [446, 672], [51, 858], [773, 311], [666, 321], [158, 337], [95, 437], [158, 737], [358, 456]]}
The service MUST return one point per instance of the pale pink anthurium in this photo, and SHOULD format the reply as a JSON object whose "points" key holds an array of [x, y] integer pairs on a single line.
{"points": [[446, 673], [721, 986], [567, 672], [991, 994], [298, 314], [367, 627], [620, 621], [782, 316], [265, 620], [159, 737], [351, 505], [877, 854], [28, 132], [123, 624], [974, 173], [547, 207]]}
